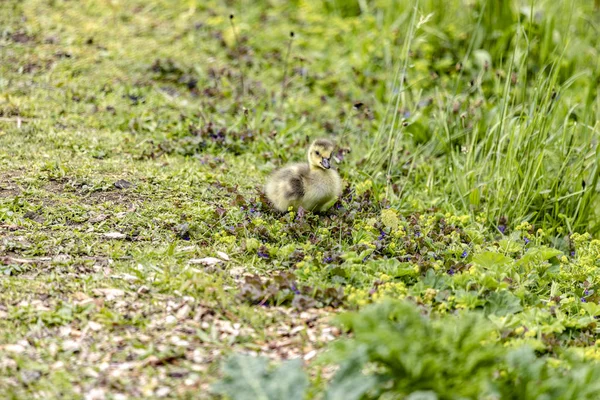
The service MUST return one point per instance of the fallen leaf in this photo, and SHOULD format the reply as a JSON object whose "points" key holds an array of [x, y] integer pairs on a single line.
{"points": [[14, 260], [94, 326], [95, 394], [237, 271], [310, 355], [114, 235], [208, 261], [71, 345], [222, 255], [186, 249], [80, 296], [98, 218], [13, 348], [61, 258], [143, 289], [184, 311], [126, 277], [109, 293]]}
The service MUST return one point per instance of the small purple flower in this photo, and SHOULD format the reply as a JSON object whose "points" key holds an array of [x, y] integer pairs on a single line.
{"points": [[382, 234], [583, 300], [295, 289], [527, 241], [573, 253], [262, 254], [502, 228], [417, 234], [327, 260], [586, 292], [464, 254], [451, 271]]}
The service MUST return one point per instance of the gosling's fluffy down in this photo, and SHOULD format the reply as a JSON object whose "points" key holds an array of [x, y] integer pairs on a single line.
{"points": [[315, 186]]}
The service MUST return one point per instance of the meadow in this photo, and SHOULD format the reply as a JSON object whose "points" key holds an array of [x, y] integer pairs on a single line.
{"points": [[139, 257]]}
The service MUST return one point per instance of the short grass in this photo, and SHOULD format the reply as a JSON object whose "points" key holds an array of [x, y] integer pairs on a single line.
{"points": [[135, 138]]}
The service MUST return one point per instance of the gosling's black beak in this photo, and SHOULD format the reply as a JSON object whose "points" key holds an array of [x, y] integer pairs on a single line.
{"points": [[325, 163]]}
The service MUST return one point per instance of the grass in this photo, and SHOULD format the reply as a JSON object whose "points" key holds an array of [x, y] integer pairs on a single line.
{"points": [[130, 151]]}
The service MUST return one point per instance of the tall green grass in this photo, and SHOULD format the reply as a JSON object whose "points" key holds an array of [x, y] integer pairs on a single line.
{"points": [[516, 138]]}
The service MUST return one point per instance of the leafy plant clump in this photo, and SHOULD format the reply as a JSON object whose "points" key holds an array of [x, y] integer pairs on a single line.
{"points": [[397, 352]]}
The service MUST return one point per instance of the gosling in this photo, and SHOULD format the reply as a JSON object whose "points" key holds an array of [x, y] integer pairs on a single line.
{"points": [[314, 186]]}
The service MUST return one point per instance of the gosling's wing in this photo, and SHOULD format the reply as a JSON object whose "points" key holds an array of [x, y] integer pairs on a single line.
{"points": [[295, 182]]}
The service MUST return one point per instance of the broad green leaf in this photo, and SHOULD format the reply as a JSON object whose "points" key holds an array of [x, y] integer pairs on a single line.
{"points": [[350, 383], [538, 254], [289, 381], [591, 308], [248, 378], [491, 260], [422, 395], [509, 245], [503, 303]]}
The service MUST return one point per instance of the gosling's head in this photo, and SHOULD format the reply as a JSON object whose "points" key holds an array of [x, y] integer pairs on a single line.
{"points": [[319, 153]]}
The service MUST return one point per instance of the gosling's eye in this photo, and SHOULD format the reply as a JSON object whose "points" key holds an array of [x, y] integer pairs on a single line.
{"points": [[317, 153]]}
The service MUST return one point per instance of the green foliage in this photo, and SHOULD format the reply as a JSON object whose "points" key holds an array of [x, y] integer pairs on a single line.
{"points": [[411, 353], [503, 303], [515, 142], [249, 378], [135, 137], [397, 352]]}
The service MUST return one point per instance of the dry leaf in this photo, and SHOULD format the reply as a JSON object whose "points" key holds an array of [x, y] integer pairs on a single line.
{"points": [[13, 348], [94, 326], [95, 394], [125, 277], [114, 235], [110, 294], [208, 261], [310, 355], [98, 218]]}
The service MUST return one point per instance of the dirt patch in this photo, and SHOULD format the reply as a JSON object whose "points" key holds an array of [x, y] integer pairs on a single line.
{"points": [[111, 196], [8, 186], [55, 187], [9, 192], [21, 37]]}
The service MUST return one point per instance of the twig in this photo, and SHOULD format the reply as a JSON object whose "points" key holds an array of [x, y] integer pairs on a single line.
{"points": [[237, 46], [285, 67]]}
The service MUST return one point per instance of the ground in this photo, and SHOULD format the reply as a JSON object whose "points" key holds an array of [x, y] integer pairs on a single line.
{"points": [[137, 250]]}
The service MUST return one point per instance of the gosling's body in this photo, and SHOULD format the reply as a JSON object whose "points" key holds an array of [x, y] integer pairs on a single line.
{"points": [[313, 186]]}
